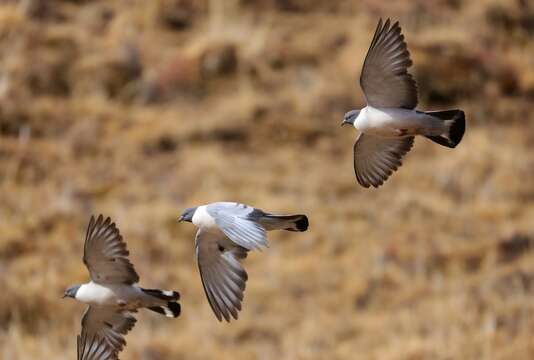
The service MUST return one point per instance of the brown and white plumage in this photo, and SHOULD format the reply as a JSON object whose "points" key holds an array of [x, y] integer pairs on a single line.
{"points": [[112, 295], [227, 231], [389, 122]]}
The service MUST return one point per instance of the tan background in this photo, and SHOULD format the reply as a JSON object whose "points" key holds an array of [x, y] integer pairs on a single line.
{"points": [[138, 109]]}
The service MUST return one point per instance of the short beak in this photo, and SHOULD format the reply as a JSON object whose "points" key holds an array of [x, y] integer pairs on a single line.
{"points": [[64, 296], [181, 218], [344, 122]]}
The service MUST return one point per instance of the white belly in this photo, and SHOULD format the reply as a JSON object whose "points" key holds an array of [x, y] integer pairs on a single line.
{"points": [[392, 122], [201, 218], [107, 295]]}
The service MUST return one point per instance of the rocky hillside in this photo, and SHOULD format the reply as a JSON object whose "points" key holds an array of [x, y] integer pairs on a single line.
{"points": [[139, 109]]}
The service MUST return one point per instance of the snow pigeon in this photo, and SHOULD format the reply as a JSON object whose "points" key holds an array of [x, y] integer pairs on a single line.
{"points": [[227, 231], [112, 294], [389, 122]]}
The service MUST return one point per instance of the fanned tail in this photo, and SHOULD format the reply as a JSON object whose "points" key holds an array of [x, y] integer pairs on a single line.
{"points": [[455, 122]]}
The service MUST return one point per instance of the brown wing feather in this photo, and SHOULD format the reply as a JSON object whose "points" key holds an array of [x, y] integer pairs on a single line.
{"points": [[385, 80], [223, 277], [375, 159], [103, 331], [106, 255]]}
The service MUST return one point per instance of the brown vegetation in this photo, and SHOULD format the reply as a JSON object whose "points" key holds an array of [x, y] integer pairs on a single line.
{"points": [[138, 109]]}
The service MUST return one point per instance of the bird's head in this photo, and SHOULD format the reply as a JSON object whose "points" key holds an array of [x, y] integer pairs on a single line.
{"points": [[71, 291], [187, 215], [350, 117]]}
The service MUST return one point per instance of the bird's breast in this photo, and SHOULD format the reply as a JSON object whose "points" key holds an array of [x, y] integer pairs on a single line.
{"points": [[202, 218], [388, 122], [96, 294]]}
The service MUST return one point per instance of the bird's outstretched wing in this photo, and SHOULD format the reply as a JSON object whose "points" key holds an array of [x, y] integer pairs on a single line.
{"points": [[103, 331], [223, 276], [105, 254], [93, 348], [239, 223], [385, 80], [376, 158]]}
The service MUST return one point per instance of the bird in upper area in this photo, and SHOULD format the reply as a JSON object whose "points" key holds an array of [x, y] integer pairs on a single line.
{"points": [[227, 231], [389, 122], [112, 294]]}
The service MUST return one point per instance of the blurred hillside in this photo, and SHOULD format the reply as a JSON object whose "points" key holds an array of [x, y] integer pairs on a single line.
{"points": [[138, 109]]}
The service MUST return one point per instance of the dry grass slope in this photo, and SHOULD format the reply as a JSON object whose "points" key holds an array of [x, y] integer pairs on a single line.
{"points": [[138, 109]]}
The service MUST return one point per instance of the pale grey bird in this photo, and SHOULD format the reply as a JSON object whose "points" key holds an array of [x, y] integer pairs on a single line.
{"points": [[389, 122], [112, 294], [227, 231]]}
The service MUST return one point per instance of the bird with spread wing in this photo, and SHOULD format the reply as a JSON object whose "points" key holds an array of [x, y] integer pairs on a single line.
{"points": [[227, 231], [389, 122], [112, 294]]}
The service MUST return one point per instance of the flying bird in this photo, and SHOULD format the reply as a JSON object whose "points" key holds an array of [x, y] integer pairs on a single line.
{"points": [[389, 122], [227, 231], [112, 294]]}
